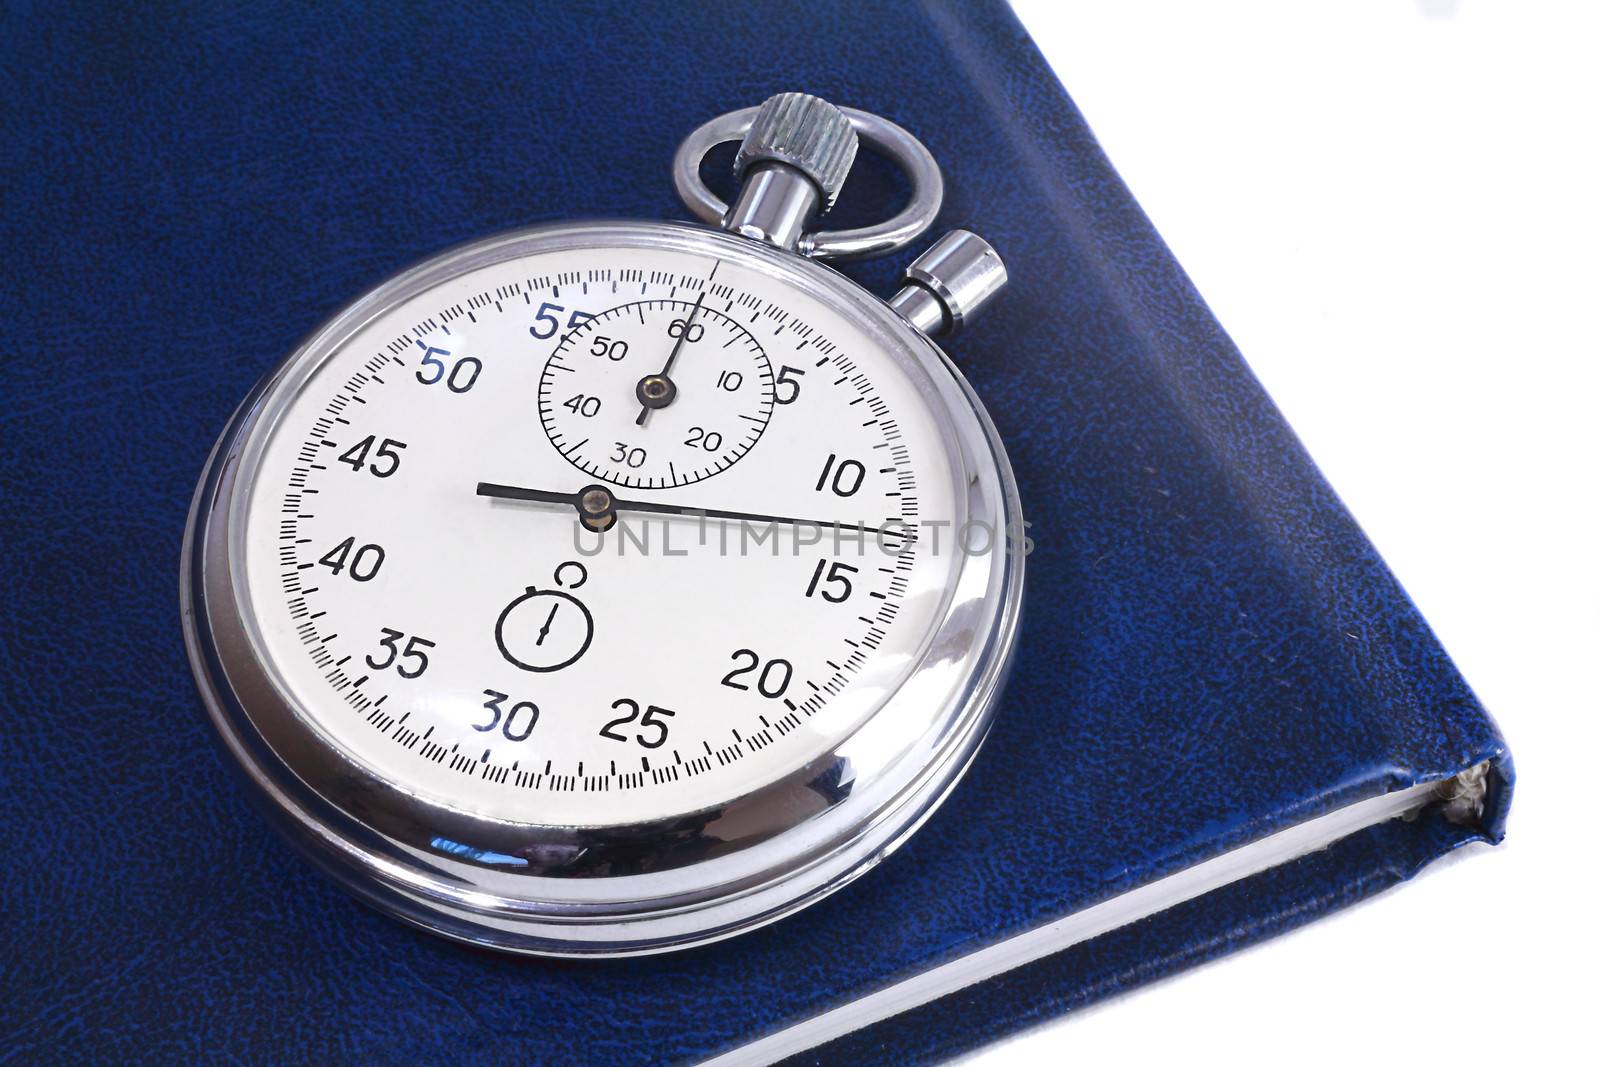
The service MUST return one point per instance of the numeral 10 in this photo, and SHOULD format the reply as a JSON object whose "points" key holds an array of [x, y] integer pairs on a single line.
{"points": [[844, 477]]}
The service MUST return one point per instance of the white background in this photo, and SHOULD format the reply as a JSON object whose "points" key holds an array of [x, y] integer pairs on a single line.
{"points": [[1391, 207]]}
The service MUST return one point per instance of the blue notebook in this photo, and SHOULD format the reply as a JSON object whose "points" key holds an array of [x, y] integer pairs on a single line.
{"points": [[1225, 718]]}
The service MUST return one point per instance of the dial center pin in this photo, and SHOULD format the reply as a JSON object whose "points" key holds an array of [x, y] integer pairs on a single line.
{"points": [[655, 391], [596, 508]]}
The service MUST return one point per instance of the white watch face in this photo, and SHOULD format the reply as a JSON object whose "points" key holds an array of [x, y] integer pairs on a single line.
{"points": [[422, 588]]}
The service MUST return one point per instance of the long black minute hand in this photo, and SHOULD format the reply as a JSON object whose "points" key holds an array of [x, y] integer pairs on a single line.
{"points": [[577, 500]]}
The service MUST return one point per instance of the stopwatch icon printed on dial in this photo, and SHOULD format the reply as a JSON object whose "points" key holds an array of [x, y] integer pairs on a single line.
{"points": [[544, 630], [656, 393]]}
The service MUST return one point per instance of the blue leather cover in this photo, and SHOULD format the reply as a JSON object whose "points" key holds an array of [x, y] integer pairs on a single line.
{"points": [[1211, 649]]}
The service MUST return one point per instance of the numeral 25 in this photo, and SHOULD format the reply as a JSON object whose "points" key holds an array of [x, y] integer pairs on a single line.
{"points": [[653, 720]]}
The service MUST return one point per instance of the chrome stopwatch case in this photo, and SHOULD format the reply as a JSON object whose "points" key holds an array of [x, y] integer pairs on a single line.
{"points": [[612, 587]]}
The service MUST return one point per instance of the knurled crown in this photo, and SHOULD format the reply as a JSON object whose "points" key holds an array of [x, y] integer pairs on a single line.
{"points": [[805, 132]]}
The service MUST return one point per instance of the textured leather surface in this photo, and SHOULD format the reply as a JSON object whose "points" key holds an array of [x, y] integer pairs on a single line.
{"points": [[1211, 649]]}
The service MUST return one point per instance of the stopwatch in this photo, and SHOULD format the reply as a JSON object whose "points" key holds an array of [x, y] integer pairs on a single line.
{"points": [[610, 587]]}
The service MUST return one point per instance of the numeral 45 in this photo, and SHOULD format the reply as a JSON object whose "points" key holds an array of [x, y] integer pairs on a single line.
{"points": [[384, 459]]}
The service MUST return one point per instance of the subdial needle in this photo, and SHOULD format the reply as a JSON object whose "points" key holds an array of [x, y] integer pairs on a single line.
{"points": [[659, 390], [597, 508]]}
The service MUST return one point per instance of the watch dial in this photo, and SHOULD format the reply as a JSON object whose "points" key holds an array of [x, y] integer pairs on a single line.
{"points": [[689, 437], [770, 541]]}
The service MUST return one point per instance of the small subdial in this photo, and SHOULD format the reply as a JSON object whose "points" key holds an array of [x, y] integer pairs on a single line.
{"points": [[656, 393]]}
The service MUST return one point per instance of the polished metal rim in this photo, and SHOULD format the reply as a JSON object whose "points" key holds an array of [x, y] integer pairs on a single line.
{"points": [[927, 184]]}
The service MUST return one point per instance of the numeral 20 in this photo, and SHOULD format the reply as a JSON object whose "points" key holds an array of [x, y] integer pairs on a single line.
{"points": [[771, 683], [700, 437]]}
